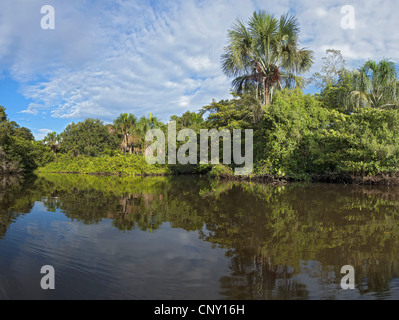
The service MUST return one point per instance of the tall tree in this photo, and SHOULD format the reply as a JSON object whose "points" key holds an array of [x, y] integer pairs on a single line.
{"points": [[266, 53], [144, 125], [52, 140], [89, 137], [334, 66], [189, 119], [19, 152], [335, 82], [125, 127]]}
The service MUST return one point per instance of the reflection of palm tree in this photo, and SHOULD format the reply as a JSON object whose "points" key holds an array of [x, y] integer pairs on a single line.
{"points": [[375, 85], [265, 54]]}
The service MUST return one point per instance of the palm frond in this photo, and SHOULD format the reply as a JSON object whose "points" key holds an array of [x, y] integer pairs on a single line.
{"points": [[264, 50]]}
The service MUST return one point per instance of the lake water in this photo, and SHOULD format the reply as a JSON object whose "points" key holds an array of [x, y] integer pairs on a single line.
{"points": [[190, 238]]}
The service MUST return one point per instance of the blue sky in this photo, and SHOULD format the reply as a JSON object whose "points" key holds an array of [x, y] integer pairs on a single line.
{"points": [[106, 57]]}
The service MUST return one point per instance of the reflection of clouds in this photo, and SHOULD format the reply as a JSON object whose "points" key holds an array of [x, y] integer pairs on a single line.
{"points": [[33, 230], [100, 261], [323, 282]]}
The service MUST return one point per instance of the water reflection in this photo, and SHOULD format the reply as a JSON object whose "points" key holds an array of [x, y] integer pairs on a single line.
{"points": [[278, 242], [15, 199]]}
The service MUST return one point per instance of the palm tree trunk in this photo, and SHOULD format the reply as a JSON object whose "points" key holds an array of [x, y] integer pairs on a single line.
{"points": [[266, 93], [125, 143]]}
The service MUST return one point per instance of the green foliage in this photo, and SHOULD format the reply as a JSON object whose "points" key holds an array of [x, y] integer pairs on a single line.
{"points": [[89, 137], [19, 152], [291, 117], [143, 126], [300, 139], [220, 171], [364, 143], [265, 53], [189, 120], [350, 128], [376, 85], [117, 164], [337, 95], [373, 85], [228, 114], [125, 126], [53, 141]]}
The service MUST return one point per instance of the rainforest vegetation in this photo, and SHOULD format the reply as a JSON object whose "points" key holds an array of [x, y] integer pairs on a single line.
{"points": [[347, 129]]}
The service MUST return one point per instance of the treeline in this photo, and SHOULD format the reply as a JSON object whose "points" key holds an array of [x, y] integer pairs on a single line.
{"points": [[299, 136], [19, 152]]}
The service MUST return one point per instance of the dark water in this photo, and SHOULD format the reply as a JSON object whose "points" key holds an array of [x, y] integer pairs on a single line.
{"points": [[188, 238]]}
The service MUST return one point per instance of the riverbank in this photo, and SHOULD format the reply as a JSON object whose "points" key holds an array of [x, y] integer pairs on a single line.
{"points": [[380, 179], [135, 165], [131, 165]]}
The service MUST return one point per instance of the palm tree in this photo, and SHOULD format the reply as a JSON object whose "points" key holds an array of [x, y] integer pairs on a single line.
{"points": [[375, 85], [266, 54], [143, 126], [125, 127], [52, 140]]}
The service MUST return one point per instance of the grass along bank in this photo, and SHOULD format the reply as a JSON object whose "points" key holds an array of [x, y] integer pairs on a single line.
{"points": [[105, 165], [136, 165]]}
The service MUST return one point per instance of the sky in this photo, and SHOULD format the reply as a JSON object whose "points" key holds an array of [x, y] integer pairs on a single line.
{"points": [[107, 57]]}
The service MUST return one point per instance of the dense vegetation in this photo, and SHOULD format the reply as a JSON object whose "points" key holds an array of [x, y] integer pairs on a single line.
{"points": [[19, 152], [348, 129]]}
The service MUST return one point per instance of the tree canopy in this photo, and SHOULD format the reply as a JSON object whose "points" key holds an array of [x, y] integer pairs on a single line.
{"points": [[266, 53]]}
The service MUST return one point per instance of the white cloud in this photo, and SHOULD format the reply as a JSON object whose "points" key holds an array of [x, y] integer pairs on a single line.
{"points": [[41, 133], [104, 59], [370, 39]]}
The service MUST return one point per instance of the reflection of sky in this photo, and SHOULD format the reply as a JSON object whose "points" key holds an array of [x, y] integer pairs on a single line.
{"points": [[317, 282], [102, 262]]}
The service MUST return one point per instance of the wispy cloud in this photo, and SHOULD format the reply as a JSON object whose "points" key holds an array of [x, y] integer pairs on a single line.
{"points": [[106, 57], [41, 133]]}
